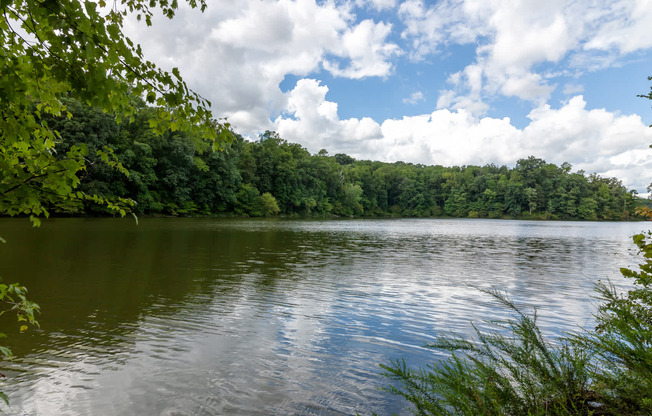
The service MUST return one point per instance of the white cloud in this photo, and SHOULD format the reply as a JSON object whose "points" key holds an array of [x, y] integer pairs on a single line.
{"points": [[366, 47], [449, 138], [576, 134], [467, 93], [315, 124], [527, 86], [626, 28], [526, 35], [448, 21]]}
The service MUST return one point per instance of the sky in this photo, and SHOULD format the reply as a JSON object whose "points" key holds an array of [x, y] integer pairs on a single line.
{"points": [[450, 82]]}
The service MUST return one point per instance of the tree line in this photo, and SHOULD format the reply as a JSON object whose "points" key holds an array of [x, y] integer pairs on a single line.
{"points": [[178, 174]]}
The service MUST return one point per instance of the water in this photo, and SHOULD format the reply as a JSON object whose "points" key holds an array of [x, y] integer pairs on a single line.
{"points": [[260, 317]]}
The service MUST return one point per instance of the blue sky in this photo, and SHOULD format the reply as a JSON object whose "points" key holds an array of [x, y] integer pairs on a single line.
{"points": [[450, 82]]}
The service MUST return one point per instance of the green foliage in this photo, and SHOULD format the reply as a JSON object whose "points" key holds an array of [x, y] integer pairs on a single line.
{"points": [[350, 201], [176, 173], [269, 205], [248, 202], [499, 373], [456, 204], [53, 50], [13, 300]]}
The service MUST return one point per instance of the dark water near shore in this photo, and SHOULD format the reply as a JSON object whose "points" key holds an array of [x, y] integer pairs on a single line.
{"points": [[259, 317]]}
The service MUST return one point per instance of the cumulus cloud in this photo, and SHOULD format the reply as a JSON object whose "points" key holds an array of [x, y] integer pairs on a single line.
{"points": [[593, 140], [314, 122], [366, 47], [467, 92]]}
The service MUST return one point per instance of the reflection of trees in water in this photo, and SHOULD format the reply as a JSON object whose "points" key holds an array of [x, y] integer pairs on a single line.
{"points": [[95, 279]]}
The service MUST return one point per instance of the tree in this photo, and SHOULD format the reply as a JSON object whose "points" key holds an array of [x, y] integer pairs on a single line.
{"points": [[531, 196], [587, 209], [456, 205], [514, 197], [351, 199], [248, 201], [54, 49], [269, 205]]}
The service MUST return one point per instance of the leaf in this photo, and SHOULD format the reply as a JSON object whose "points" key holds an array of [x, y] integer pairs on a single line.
{"points": [[6, 352]]}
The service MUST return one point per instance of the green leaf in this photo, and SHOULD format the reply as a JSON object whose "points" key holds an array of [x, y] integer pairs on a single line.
{"points": [[6, 352]]}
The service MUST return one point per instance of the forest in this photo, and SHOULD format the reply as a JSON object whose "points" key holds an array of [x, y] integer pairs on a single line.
{"points": [[177, 174]]}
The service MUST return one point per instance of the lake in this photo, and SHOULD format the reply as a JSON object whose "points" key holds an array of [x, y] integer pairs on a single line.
{"points": [[290, 317]]}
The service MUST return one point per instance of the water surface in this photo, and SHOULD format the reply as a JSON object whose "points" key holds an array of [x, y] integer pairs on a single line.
{"points": [[259, 317]]}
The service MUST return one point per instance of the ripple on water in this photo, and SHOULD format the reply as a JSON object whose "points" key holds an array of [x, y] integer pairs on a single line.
{"points": [[210, 317]]}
